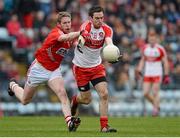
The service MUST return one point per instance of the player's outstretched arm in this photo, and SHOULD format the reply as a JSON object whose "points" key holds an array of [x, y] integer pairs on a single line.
{"points": [[69, 37]]}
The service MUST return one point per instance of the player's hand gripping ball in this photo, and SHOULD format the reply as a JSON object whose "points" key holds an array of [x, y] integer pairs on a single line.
{"points": [[111, 53]]}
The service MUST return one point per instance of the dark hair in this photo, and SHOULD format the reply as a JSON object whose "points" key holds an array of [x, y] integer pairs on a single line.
{"points": [[63, 14], [94, 9]]}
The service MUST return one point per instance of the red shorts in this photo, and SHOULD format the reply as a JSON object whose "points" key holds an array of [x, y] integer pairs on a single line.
{"points": [[155, 79], [84, 75]]}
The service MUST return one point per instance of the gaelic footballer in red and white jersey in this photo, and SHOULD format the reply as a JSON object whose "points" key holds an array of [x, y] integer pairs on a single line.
{"points": [[153, 59]]}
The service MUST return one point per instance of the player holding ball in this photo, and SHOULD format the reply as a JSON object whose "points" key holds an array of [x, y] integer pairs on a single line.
{"points": [[88, 67]]}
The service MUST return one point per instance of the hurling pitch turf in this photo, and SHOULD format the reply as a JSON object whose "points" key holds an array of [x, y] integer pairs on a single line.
{"points": [[38, 126]]}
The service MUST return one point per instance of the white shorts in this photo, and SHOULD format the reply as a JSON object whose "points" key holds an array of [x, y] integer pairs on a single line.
{"points": [[37, 74]]}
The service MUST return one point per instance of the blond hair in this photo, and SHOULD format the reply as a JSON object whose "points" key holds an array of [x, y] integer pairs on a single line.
{"points": [[63, 14]]}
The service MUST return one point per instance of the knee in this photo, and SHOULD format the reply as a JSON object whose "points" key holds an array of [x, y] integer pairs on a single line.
{"points": [[86, 100], [146, 94], [156, 90], [104, 95], [25, 101], [62, 93], [156, 93]]}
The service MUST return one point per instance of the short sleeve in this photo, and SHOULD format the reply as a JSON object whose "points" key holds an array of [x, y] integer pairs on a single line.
{"points": [[54, 35], [108, 31], [86, 26]]}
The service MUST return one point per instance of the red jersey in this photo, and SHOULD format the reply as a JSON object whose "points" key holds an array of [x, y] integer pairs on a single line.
{"points": [[52, 52]]}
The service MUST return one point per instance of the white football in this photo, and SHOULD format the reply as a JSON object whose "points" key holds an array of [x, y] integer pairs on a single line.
{"points": [[110, 53]]}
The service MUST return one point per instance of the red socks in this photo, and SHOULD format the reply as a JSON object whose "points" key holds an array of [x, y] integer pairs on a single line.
{"points": [[104, 121]]}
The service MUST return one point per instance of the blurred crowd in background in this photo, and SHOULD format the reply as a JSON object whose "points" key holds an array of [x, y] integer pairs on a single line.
{"points": [[25, 23]]}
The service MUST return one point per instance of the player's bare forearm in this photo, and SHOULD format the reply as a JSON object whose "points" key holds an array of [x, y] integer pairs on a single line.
{"points": [[166, 65], [141, 64], [108, 40], [69, 37]]}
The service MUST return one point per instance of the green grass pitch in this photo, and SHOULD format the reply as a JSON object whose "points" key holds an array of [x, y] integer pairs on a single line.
{"points": [[37, 126]]}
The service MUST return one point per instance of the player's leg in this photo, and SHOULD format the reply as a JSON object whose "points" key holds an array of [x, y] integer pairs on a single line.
{"points": [[100, 84], [101, 87], [57, 85], [146, 92], [82, 79], [155, 89], [84, 97], [24, 95], [35, 76]]}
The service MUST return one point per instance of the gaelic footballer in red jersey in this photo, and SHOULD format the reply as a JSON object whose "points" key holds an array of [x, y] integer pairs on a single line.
{"points": [[153, 58], [46, 68], [88, 67]]}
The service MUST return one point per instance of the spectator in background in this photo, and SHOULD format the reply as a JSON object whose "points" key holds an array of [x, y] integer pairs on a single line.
{"points": [[139, 28], [51, 20], [39, 20], [11, 68], [9, 5], [13, 26], [25, 10], [119, 31], [3, 71], [45, 6], [46, 68], [61, 5], [122, 78], [176, 73], [4, 15], [23, 41], [76, 22]]}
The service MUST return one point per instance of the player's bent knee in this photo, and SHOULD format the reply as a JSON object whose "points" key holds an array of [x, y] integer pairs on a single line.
{"points": [[87, 100], [156, 93], [26, 101], [104, 96], [146, 94], [62, 93]]}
